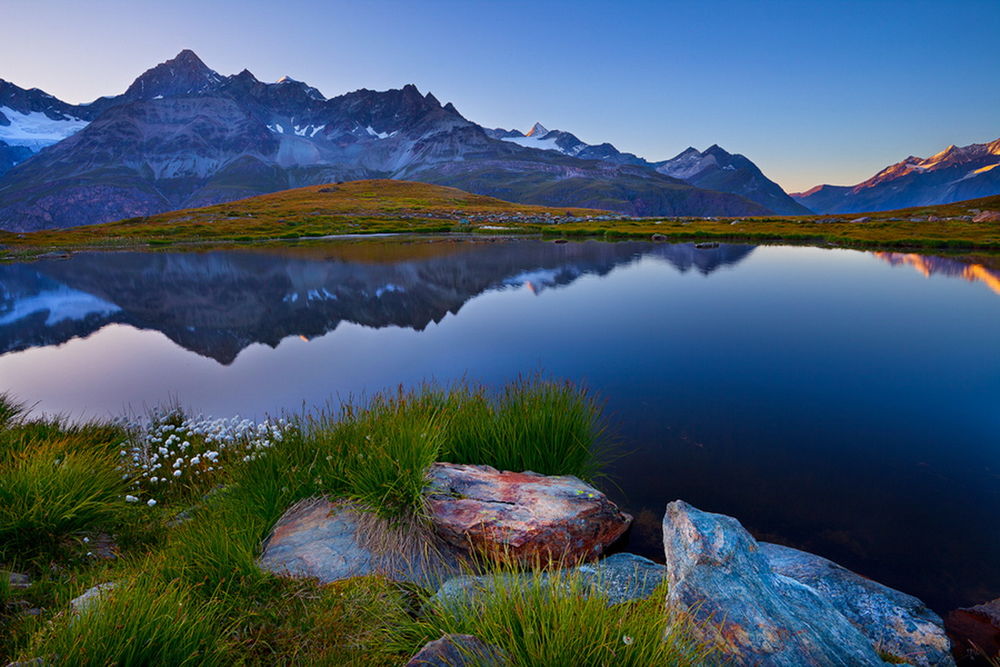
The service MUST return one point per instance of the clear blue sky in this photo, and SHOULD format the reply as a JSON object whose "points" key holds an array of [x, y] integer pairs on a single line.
{"points": [[814, 92]]}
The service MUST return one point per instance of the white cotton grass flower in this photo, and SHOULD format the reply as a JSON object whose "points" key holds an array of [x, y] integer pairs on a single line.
{"points": [[151, 502], [169, 440], [131, 499]]}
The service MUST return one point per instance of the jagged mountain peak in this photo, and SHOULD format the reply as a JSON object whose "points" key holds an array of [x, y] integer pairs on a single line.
{"points": [[717, 150], [183, 74], [537, 130]]}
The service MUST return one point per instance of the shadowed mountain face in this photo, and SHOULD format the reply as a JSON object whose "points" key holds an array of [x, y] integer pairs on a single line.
{"points": [[954, 174], [218, 303], [183, 135]]}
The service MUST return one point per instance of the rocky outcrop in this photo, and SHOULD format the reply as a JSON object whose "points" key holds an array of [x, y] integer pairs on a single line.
{"points": [[976, 629], [523, 516], [754, 615], [332, 541], [895, 623], [456, 651]]}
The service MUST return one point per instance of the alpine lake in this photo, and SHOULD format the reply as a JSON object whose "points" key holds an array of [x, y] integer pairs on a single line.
{"points": [[838, 401]]}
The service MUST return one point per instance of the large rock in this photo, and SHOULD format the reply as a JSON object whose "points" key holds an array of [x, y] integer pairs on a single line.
{"points": [[622, 577], [753, 614], [456, 651], [976, 629], [333, 541], [895, 623], [524, 516]]}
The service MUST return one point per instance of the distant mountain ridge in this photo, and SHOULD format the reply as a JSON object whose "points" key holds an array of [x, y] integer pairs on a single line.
{"points": [[183, 135], [713, 169], [954, 174]]}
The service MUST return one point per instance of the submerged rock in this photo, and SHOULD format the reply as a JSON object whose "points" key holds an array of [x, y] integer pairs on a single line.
{"points": [[333, 541], [622, 577], [895, 623], [456, 651], [533, 519], [756, 616], [976, 629]]}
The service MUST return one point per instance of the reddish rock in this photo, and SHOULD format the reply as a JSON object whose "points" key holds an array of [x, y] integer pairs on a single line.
{"points": [[976, 629], [531, 518], [987, 216]]}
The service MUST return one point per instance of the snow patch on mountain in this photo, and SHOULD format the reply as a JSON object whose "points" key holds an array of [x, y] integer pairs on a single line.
{"points": [[533, 142], [35, 130], [62, 304]]}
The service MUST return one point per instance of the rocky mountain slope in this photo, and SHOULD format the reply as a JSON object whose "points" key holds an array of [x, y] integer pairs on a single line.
{"points": [[954, 174], [714, 169], [183, 135]]}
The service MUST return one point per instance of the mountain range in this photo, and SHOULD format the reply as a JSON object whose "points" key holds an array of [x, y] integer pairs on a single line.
{"points": [[954, 174], [712, 169], [183, 135]]}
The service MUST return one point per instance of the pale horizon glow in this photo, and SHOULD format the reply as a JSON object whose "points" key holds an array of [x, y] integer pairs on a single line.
{"points": [[811, 92]]}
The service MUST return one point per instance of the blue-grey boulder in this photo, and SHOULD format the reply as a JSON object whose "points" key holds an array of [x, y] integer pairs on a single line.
{"points": [[895, 623], [330, 541], [456, 651], [622, 577], [754, 615]]}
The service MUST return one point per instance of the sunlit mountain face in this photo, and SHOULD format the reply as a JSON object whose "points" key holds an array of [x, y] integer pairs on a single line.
{"points": [[929, 265], [216, 304]]}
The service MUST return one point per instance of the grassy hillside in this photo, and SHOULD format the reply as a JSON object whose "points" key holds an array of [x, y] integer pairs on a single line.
{"points": [[385, 206]]}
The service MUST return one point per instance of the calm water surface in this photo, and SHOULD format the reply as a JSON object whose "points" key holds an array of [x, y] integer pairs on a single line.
{"points": [[843, 402]]}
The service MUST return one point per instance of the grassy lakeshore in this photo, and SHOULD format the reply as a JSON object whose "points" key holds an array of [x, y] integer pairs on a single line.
{"points": [[183, 505], [387, 206]]}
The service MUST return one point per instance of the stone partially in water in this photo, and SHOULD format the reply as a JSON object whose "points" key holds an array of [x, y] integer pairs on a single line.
{"points": [[976, 629], [755, 616], [530, 518], [894, 622], [333, 541]]}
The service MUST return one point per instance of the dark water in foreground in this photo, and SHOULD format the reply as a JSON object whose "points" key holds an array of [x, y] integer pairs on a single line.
{"points": [[843, 402]]}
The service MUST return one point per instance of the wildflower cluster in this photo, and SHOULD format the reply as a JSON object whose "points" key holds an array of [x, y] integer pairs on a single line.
{"points": [[169, 454]]}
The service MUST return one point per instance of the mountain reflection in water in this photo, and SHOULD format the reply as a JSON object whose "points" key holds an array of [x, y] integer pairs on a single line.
{"points": [[929, 265], [217, 303]]}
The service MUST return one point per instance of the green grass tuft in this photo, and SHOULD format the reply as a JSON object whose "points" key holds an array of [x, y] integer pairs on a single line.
{"points": [[140, 622], [556, 619]]}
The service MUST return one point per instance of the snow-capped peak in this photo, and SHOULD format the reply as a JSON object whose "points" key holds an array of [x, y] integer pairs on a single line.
{"points": [[537, 130], [287, 79]]}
